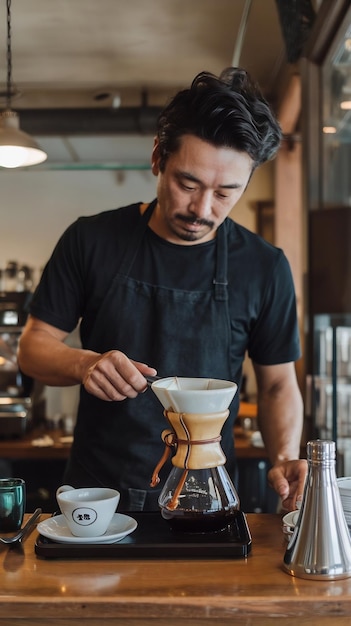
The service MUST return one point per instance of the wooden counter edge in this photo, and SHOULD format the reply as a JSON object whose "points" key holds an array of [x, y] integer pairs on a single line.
{"points": [[252, 609]]}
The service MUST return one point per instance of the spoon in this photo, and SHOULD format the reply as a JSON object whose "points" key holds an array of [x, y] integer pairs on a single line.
{"points": [[23, 531], [153, 379]]}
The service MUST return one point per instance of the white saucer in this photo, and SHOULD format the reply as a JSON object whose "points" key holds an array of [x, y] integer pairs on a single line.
{"points": [[56, 529], [290, 519], [289, 522]]}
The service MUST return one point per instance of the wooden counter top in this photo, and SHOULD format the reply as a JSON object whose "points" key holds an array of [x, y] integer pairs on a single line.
{"points": [[250, 592], [23, 448]]}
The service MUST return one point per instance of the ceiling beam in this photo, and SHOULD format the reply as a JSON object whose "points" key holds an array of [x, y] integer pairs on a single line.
{"points": [[89, 121]]}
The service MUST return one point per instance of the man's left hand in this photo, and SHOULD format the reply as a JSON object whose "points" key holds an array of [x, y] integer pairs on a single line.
{"points": [[287, 478]]}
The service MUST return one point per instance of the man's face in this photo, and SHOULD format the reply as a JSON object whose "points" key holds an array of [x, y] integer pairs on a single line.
{"points": [[197, 189]]}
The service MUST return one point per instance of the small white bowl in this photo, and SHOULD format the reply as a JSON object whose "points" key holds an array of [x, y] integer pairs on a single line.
{"points": [[344, 484], [194, 395]]}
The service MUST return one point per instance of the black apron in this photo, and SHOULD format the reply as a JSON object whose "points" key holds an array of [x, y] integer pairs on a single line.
{"points": [[182, 333]]}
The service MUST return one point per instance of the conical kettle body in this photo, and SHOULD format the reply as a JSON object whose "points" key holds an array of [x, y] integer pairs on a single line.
{"points": [[320, 546]]}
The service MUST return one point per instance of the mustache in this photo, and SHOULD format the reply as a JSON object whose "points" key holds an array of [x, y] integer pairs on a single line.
{"points": [[195, 220]]}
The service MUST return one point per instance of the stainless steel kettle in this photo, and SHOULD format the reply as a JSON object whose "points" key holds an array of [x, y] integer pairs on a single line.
{"points": [[320, 547]]}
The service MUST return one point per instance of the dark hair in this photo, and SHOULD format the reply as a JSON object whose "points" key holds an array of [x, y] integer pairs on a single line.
{"points": [[228, 111]]}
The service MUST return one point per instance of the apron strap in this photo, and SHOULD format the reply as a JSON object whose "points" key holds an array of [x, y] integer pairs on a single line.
{"points": [[220, 281], [134, 242]]}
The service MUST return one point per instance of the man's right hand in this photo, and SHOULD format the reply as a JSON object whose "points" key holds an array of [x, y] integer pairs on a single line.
{"points": [[44, 355], [113, 376]]}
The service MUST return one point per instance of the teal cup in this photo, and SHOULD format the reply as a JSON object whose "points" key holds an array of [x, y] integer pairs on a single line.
{"points": [[12, 504]]}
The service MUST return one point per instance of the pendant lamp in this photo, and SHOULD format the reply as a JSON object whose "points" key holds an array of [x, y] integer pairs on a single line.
{"points": [[17, 149]]}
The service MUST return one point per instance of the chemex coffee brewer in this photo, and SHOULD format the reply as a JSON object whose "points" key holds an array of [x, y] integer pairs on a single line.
{"points": [[198, 495]]}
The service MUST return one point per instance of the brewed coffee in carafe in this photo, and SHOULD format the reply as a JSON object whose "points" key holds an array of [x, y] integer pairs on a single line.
{"points": [[198, 495]]}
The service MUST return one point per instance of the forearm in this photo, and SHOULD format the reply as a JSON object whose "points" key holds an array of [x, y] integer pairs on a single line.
{"points": [[280, 411], [51, 361], [280, 417]]}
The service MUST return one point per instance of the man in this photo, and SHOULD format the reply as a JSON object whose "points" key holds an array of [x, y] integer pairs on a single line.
{"points": [[175, 288]]}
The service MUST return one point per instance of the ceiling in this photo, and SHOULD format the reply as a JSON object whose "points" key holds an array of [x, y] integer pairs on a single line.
{"points": [[83, 67]]}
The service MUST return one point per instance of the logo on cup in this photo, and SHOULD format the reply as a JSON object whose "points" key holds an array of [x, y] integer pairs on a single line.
{"points": [[84, 516]]}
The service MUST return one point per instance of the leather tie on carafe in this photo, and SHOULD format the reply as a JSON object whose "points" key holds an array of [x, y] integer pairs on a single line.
{"points": [[196, 439]]}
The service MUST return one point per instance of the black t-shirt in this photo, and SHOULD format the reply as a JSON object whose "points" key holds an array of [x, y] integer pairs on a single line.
{"points": [[88, 255], [114, 444]]}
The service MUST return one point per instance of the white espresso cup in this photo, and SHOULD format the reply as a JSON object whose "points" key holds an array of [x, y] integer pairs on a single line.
{"points": [[89, 510]]}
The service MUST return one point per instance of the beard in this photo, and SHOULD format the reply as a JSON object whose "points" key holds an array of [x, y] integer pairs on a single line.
{"points": [[192, 235]]}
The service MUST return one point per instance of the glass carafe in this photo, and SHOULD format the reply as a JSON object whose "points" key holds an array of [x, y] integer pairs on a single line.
{"points": [[206, 502]]}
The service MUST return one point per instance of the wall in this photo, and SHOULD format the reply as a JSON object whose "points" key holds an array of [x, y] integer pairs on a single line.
{"points": [[289, 231], [37, 205]]}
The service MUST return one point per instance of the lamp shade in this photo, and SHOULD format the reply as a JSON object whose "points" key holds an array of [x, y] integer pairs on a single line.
{"points": [[17, 149]]}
